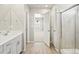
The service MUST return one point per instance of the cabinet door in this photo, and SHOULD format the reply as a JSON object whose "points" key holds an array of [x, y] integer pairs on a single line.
{"points": [[14, 46], [1, 49], [8, 48], [19, 44]]}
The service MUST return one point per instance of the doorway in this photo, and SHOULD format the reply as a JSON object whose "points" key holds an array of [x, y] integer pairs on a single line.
{"points": [[42, 28]]}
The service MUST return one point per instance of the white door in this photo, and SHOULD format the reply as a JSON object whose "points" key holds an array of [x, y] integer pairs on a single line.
{"points": [[56, 31], [55, 41], [42, 29], [68, 30], [47, 28], [38, 29]]}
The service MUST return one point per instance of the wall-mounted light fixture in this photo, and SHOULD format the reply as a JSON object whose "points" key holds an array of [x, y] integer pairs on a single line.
{"points": [[46, 6], [37, 15]]}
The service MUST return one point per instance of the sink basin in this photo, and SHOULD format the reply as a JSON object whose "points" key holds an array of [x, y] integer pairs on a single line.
{"points": [[4, 33]]}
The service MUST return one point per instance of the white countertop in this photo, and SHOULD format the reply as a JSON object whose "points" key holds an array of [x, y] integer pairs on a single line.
{"points": [[10, 36]]}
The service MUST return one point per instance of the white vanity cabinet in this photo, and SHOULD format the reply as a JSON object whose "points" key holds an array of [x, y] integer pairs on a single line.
{"points": [[12, 45]]}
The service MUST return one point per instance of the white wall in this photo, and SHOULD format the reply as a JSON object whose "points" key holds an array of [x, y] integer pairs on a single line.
{"points": [[31, 26], [26, 25]]}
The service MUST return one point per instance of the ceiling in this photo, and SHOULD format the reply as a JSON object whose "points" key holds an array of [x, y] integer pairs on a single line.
{"points": [[40, 6]]}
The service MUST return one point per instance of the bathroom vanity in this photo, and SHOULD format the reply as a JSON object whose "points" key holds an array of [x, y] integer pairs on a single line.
{"points": [[11, 43]]}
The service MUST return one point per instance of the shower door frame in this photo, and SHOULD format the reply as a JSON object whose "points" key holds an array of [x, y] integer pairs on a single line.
{"points": [[60, 43]]}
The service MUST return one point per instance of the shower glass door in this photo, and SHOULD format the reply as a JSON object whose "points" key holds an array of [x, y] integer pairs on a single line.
{"points": [[68, 31], [77, 32]]}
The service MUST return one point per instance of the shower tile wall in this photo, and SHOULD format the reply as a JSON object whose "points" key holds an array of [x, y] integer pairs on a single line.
{"points": [[12, 17], [4, 17]]}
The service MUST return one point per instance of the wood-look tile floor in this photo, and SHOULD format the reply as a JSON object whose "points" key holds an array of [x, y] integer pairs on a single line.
{"points": [[39, 48]]}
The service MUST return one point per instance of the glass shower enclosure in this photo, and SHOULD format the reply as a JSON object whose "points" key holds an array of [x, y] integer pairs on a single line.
{"points": [[70, 30]]}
